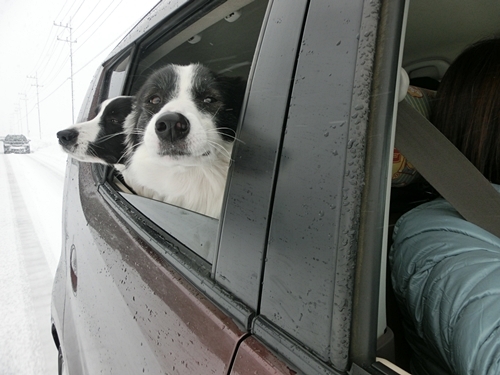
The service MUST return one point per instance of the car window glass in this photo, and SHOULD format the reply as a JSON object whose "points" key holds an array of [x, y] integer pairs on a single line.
{"points": [[224, 40], [200, 238]]}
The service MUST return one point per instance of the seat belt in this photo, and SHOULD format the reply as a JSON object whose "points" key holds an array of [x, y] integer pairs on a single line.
{"points": [[447, 169]]}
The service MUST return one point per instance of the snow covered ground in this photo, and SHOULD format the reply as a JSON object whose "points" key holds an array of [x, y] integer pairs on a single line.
{"points": [[31, 191]]}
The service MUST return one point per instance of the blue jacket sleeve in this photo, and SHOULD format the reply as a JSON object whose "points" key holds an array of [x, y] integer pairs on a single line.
{"points": [[446, 276]]}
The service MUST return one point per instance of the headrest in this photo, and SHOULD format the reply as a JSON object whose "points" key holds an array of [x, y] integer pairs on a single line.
{"points": [[404, 83]]}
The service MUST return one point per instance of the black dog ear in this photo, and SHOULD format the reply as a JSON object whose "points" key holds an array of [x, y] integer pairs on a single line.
{"points": [[233, 91], [234, 88], [121, 106]]}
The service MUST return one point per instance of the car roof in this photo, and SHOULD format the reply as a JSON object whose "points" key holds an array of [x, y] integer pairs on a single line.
{"points": [[152, 19], [15, 136]]}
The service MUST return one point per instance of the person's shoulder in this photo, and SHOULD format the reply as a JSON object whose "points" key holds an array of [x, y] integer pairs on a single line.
{"points": [[439, 218]]}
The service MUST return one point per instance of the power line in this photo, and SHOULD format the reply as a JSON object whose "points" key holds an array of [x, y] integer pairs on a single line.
{"points": [[62, 8], [25, 98], [97, 19], [82, 67], [69, 10], [50, 38], [19, 117], [97, 28], [51, 55], [88, 15], [38, 102], [55, 68], [47, 50], [109, 45], [43, 53], [53, 92], [70, 41], [76, 11]]}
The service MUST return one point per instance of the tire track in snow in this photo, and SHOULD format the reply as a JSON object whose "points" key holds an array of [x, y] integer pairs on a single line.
{"points": [[34, 280], [42, 190]]}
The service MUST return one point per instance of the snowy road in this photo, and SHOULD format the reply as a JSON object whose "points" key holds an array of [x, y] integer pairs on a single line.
{"points": [[31, 190]]}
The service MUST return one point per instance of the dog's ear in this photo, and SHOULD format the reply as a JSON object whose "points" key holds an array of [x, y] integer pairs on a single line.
{"points": [[123, 106], [234, 89]]}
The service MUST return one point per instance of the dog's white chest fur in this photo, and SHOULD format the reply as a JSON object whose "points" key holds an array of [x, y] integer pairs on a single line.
{"points": [[197, 187]]}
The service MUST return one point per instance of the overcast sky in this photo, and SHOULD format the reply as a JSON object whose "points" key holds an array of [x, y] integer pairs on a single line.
{"points": [[30, 47]]}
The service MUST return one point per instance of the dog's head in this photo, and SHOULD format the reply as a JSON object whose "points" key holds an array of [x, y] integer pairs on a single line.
{"points": [[102, 139], [186, 112]]}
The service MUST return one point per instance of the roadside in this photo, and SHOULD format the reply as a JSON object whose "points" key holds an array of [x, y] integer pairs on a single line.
{"points": [[31, 201]]}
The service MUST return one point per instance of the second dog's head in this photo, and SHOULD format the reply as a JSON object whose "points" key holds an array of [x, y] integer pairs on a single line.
{"points": [[184, 113], [102, 139]]}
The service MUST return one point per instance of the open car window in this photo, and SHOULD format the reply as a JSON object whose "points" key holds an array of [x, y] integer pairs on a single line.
{"points": [[224, 39]]}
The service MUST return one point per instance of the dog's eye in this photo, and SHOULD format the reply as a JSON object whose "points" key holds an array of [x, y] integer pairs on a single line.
{"points": [[209, 100], [155, 99]]}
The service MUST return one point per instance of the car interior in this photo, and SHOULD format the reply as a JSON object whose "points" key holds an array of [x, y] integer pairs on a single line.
{"points": [[436, 33], [208, 40]]}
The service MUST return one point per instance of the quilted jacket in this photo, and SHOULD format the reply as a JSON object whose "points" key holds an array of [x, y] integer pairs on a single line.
{"points": [[446, 276]]}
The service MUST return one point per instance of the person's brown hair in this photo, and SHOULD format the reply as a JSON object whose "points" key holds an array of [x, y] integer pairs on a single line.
{"points": [[467, 106]]}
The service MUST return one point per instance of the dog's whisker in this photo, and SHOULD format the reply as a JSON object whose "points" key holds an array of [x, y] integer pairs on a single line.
{"points": [[123, 158], [92, 152], [215, 114], [218, 132], [109, 136], [136, 132], [220, 148], [136, 145]]}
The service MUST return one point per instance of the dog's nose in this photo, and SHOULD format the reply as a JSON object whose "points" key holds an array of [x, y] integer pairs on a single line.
{"points": [[67, 137], [172, 127]]}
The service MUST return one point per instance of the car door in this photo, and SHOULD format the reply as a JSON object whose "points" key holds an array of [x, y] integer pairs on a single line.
{"points": [[144, 294], [275, 285], [326, 237]]}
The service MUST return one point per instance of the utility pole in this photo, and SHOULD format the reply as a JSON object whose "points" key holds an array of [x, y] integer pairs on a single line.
{"points": [[17, 109], [25, 98], [70, 41], [37, 102]]}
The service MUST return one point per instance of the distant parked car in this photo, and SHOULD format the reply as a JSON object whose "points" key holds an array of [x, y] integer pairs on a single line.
{"points": [[17, 143]]}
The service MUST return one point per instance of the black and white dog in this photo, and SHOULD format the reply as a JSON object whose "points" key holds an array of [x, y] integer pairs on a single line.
{"points": [[172, 141], [180, 135], [102, 139]]}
